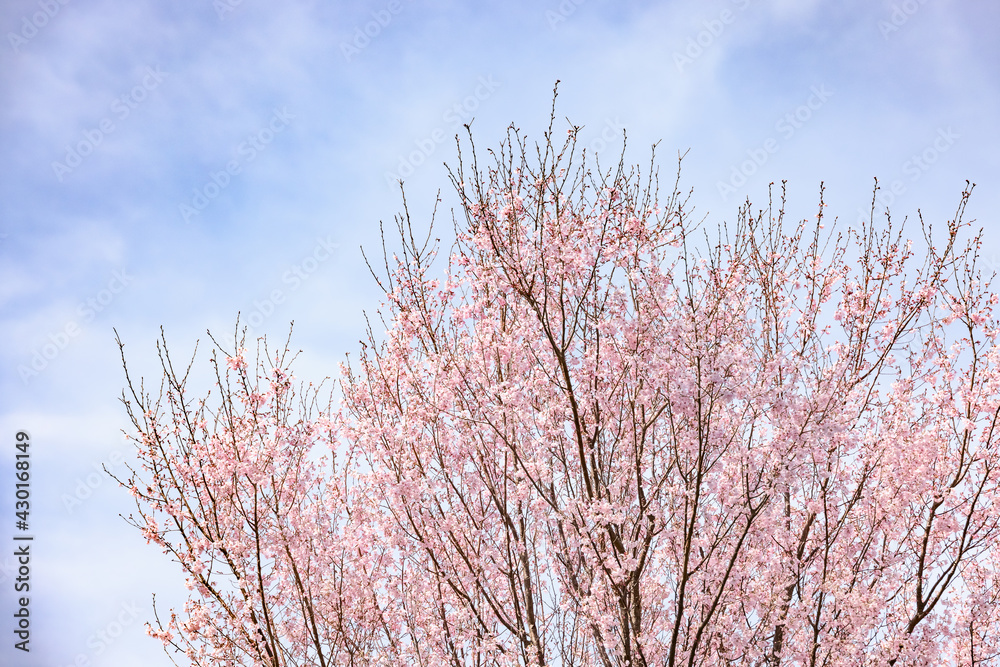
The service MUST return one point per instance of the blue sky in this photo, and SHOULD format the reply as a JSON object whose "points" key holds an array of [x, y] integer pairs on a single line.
{"points": [[172, 164]]}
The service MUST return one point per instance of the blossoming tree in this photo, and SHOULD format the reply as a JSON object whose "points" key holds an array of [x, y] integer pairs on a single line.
{"points": [[600, 436]]}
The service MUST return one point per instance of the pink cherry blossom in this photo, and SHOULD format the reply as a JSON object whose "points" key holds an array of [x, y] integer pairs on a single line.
{"points": [[597, 436]]}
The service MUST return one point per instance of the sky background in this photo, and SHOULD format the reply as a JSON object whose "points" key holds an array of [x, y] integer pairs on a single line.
{"points": [[119, 120]]}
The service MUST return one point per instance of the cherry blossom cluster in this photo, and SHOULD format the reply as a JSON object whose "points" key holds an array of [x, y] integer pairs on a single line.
{"points": [[602, 434]]}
